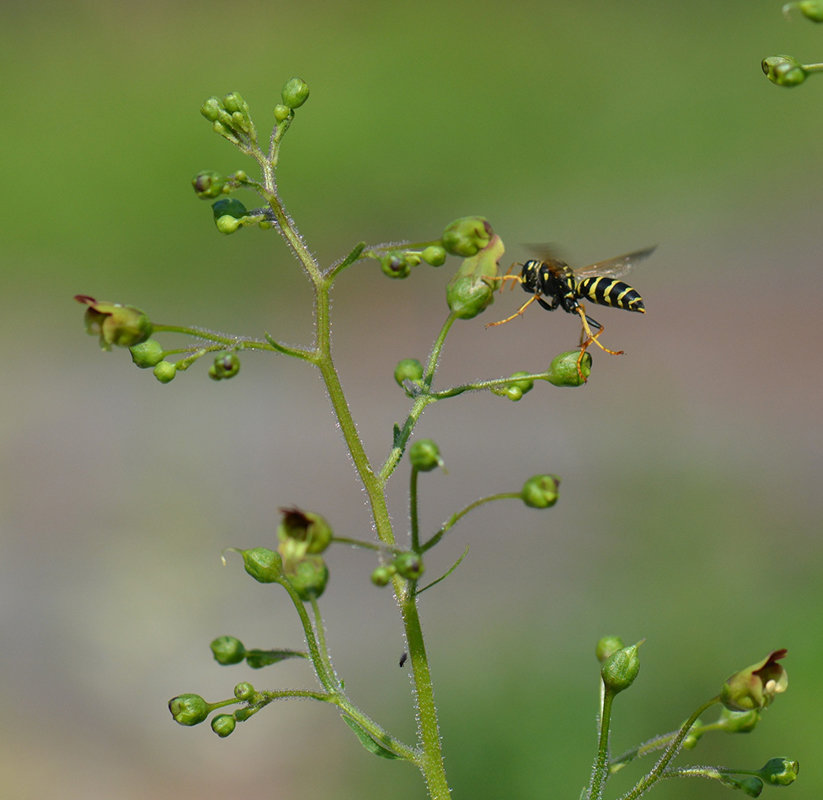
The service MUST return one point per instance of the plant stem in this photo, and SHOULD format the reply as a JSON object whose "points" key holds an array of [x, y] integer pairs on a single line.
{"points": [[601, 763]]}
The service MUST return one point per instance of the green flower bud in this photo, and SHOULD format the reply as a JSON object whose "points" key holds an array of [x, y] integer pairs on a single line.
{"points": [[189, 709], [563, 369], [467, 236], [211, 109], [811, 9], [409, 565], [383, 574], [749, 784], [309, 577], [471, 290], [165, 371], [308, 529], [264, 565], [779, 771], [228, 206], [228, 224], [225, 366], [756, 686], [208, 184], [234, 103], [693, 736], [147, 354], [242, 714], [620, 669], [738, 721], [282, 113], [244, 691], [295, 92], [512, 392], [424, 455], [227, 650], [434, 255], [395, 264], [540, 491], [409, 369], [783, 70], [223, 725], [524, 384], [114, 324], [607, 646]]}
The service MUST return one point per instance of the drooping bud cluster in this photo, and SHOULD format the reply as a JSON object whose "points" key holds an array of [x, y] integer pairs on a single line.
{"points": [[230, 118], [408, 565]]}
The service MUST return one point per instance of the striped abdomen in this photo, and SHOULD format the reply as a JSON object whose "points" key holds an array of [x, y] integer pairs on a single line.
{"points": [[609, 292]]}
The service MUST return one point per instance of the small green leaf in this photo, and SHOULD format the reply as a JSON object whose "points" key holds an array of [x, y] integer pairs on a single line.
{"points": [[367, 741], [257, 659]]}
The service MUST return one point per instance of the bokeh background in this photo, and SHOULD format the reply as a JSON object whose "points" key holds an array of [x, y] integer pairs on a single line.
{"points": [[691, 502]]}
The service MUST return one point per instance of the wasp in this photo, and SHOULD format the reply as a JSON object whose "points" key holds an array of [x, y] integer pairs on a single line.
{"points": [[554, 284]]}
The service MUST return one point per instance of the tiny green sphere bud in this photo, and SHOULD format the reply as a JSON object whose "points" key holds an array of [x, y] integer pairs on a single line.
{"points": [[189, 709], [165, 371], [783, 70], [244, 691], [409, 565], [522, 382], [211, 109], [223, 725], [620, 669], [228, 206], [434, 255], [540, 491], [309, 577], [563, 369], [383, 574], [282, 113], [779, 771], [395, 264], [606, 646], [467, 236], [295, 92], [227, 650], [513, 393], [424, 455], [409, 369], [264, 565], [147, 354], [225, 366], [234, 103], [228, 224], [208, 184]]}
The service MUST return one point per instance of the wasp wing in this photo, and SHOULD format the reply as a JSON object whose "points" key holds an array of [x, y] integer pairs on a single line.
{"points": [[615, 267]]}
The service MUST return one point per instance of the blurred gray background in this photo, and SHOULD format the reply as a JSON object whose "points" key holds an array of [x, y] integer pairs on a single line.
{"points": [[690, 509]]}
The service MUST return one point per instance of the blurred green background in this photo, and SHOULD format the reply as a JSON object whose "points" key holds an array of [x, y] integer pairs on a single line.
{"points": [[690, 510]]}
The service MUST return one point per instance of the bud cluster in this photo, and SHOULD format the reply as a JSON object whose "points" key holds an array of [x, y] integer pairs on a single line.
{"points": [[408, 565], [230, 118]]}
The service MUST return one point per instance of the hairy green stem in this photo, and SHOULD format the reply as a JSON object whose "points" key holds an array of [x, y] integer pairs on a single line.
{"points": [[601, 764]]}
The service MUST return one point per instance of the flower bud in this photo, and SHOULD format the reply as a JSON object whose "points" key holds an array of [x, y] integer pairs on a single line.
{"points": [[424, 455], [234, 103], [748, 784], [524, 384], [242, 714], [434, 255], [309, 577], [228, 224], [738, 721], [563, 369], [409, 369], [165, 371], [409, 565], [189, 709], [295, 92], [264, 565], [208, 184], [540, 491], [756, 686], [281, 113], [779, 771], [211, 109], [606, 646], [225, 366], [115, 324], [244, 691], [227, 650], [223, 725], [783, 70], [620, 669], [811, 9], [395, 264], [306, 528], [383, 574], [147, 354], [467, 236], [471, 290]]}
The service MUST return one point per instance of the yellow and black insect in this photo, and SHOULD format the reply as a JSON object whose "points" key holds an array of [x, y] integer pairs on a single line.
{"points": [[553, 283]]}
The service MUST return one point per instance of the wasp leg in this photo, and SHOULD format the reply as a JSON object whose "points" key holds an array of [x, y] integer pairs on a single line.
{"points": [[516, 313], [587, 338]]}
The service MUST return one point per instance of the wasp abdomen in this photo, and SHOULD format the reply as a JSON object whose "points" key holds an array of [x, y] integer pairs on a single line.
{"points": [[609, 292]]}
